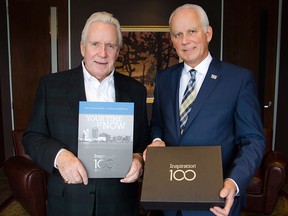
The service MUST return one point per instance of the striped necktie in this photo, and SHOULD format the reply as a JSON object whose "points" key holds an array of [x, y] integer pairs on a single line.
{"points": [[188, 98]]}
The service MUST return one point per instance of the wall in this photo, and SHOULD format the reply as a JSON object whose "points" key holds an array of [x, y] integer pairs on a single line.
{"points": [[5, 108], [140, 13], [282, 111], [149, 12]]}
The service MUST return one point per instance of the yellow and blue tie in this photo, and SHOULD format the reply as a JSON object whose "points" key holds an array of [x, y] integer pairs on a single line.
{"points": [[188, 98]]}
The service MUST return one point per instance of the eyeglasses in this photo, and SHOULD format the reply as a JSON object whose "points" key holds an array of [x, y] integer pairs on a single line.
{"points": [[109, 47]]}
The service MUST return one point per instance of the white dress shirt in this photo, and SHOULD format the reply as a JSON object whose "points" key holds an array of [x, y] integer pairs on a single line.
{"points": [[201, 71], [103, 91]]}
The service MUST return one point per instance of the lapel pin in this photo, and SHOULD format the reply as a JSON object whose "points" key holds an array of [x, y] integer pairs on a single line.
{"points": [[213, 76]]}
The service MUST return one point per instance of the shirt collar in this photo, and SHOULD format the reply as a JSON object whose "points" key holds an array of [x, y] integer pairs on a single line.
{"points": [[201, 68]]}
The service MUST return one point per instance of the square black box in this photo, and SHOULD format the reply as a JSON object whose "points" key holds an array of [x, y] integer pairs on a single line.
{"points": [[182, 177]]}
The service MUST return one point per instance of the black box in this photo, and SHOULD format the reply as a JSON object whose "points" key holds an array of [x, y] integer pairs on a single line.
{"points": [[182, 177]]}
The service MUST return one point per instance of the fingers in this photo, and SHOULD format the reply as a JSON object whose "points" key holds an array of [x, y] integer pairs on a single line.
{"points": [[144, 154], [229, 189], [227, 192], [83, 175], [156, 143], [77, 175], [135, 171], [71, 169], [223, 211], [131, 176]]}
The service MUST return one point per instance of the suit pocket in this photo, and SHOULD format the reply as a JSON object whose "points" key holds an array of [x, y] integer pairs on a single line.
{"points": [[56, 186]]}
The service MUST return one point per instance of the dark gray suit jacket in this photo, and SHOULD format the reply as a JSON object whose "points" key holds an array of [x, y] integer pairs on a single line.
{"points": [[54, 125]]}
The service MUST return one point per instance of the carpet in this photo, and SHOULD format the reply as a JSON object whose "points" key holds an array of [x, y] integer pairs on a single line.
{"points": [[281, 208], [14, 208]]}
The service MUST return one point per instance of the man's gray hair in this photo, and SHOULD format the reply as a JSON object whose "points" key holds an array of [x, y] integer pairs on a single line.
{"points": [[104, 17], [199, 10]]}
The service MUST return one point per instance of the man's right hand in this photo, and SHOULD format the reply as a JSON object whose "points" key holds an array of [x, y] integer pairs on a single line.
{"points": [[71, 169], [156, 143]]}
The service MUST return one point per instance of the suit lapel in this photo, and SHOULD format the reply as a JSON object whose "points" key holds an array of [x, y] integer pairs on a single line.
{"points": [[75, 90], [210, 81], [175, 82], [121, 90]]}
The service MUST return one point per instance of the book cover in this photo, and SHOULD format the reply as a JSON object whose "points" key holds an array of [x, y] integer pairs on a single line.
{"points": [[105, 138], [186, 177]]}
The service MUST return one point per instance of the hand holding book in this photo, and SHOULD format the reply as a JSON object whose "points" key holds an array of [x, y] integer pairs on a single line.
{"points": [[136, 169], [71, 169]]}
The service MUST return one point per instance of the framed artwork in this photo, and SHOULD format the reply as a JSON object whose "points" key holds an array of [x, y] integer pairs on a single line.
{"points": [[145, 51]]}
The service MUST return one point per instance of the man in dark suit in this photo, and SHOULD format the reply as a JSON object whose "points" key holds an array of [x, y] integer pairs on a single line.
{"points": [[51, 138], [224, 111]]}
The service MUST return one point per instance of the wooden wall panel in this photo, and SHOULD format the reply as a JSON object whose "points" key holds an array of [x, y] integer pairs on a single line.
{"points": [[149, 12], [6, 149], [282, 114], [250, 36], [249, 41], [30, 50]]}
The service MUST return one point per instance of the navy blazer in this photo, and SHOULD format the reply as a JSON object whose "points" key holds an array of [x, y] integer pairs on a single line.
{"points": [[54, 125], [226, 112]]}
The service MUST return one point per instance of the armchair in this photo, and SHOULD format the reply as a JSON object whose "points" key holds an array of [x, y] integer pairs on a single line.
{"points": [[263, 191], [27, 181]]}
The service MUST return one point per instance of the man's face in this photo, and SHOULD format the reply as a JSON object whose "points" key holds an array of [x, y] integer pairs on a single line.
{"points": [[188, 37], [100, 49]]}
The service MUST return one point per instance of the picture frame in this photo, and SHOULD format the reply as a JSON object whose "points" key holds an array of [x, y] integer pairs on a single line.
{"points": [[146, 50]]}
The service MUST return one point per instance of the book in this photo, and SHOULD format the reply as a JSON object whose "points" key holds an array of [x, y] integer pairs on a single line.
{"points": [[105, 138]]}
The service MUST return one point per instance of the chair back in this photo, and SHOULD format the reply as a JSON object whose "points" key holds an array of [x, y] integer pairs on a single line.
{"points": [[19, 150]]}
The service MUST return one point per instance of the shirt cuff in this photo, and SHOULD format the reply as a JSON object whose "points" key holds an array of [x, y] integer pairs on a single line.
{"points": [[157, 139], [55, 165], [237, 188]]}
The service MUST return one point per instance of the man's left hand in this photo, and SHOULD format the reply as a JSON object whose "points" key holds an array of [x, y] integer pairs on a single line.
{"points": [[228, 193], [135, 171]]}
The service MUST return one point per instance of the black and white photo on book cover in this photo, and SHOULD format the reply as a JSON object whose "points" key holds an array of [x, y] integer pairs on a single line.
{"points": [[105, 138]]}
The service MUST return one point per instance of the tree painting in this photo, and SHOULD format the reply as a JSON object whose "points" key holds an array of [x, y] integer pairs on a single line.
{"points": [[143, 54]]}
